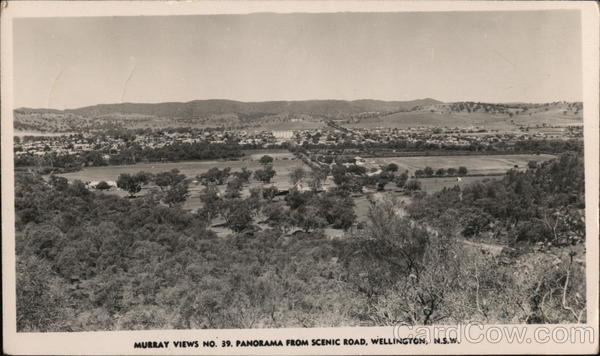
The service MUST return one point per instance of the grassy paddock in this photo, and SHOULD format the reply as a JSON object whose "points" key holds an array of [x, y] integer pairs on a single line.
{"points": [[482, 164], [284, 163]]}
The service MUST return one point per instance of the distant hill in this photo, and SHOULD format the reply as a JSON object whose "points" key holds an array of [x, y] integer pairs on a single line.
{"points": [[510, 109], [204, 108], [294, 114]]}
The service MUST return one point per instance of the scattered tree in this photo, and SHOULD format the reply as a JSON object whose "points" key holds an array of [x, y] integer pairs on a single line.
{"points": [[102, 185], [392, 167], [315, 179], [265, 174], [237, 215], [234, 188], [428, 171], [211, 203], [266, 160], [308, 218], [164, 180], [244, 175], [177, 194], [413, 185], [269, 193], [401, 179], [296, 175], [214, 176], [133, 183]]}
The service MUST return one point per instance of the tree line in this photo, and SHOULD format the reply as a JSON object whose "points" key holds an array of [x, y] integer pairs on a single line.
{"points": [[429, 172], [134, 153]]}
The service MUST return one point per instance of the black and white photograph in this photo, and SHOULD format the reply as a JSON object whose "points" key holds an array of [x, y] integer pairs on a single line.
{"points": [[277, 170]]}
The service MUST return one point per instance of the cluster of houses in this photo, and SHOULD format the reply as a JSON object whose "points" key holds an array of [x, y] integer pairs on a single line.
{"points": [[427, 135], [328, 136], [76, 143], [40, 145]]}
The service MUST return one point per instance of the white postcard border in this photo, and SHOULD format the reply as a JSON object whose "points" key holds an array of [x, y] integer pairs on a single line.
{"points": [[121, 342]]}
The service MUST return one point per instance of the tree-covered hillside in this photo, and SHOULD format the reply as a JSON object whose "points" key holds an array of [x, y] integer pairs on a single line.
{"points": [[91, 261]]}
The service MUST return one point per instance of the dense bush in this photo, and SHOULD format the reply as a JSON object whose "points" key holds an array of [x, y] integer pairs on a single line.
{"points": [[544, 203], [92, 261], [88, 261]]}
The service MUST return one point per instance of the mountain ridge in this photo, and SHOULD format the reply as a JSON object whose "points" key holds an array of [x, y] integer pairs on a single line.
{"points": [[297, 115], [201, 108]]}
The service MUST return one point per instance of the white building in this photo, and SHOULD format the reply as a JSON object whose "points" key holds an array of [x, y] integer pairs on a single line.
{"points": [[283, 134]]}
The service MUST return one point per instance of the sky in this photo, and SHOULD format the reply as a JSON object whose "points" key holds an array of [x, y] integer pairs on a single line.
{"points": [[518, 56]]}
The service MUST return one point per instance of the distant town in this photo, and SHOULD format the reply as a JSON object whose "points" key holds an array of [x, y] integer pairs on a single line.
{"points": [[333, 135]]}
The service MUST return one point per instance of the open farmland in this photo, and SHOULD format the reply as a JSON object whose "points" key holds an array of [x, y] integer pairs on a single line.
{"points": [[501, 122], [313, 124], [412, 119], [283, 163], [484, 164]]}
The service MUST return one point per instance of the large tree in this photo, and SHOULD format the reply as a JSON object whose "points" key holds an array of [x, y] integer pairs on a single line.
{"points": [[296, 175], [265, 174], [413, 185], [133, 183], [392, 167], [266, 160], [234, 188], [168, 179], [177, 194], [428, 171], [237, 215], [211, 203], [315, 179], [102, 185], [401, 179], [244, 175], [214, 176], [308, 218]]}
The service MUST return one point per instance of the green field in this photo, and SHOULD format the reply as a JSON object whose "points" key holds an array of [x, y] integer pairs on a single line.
{"points": [[484, 164]]}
